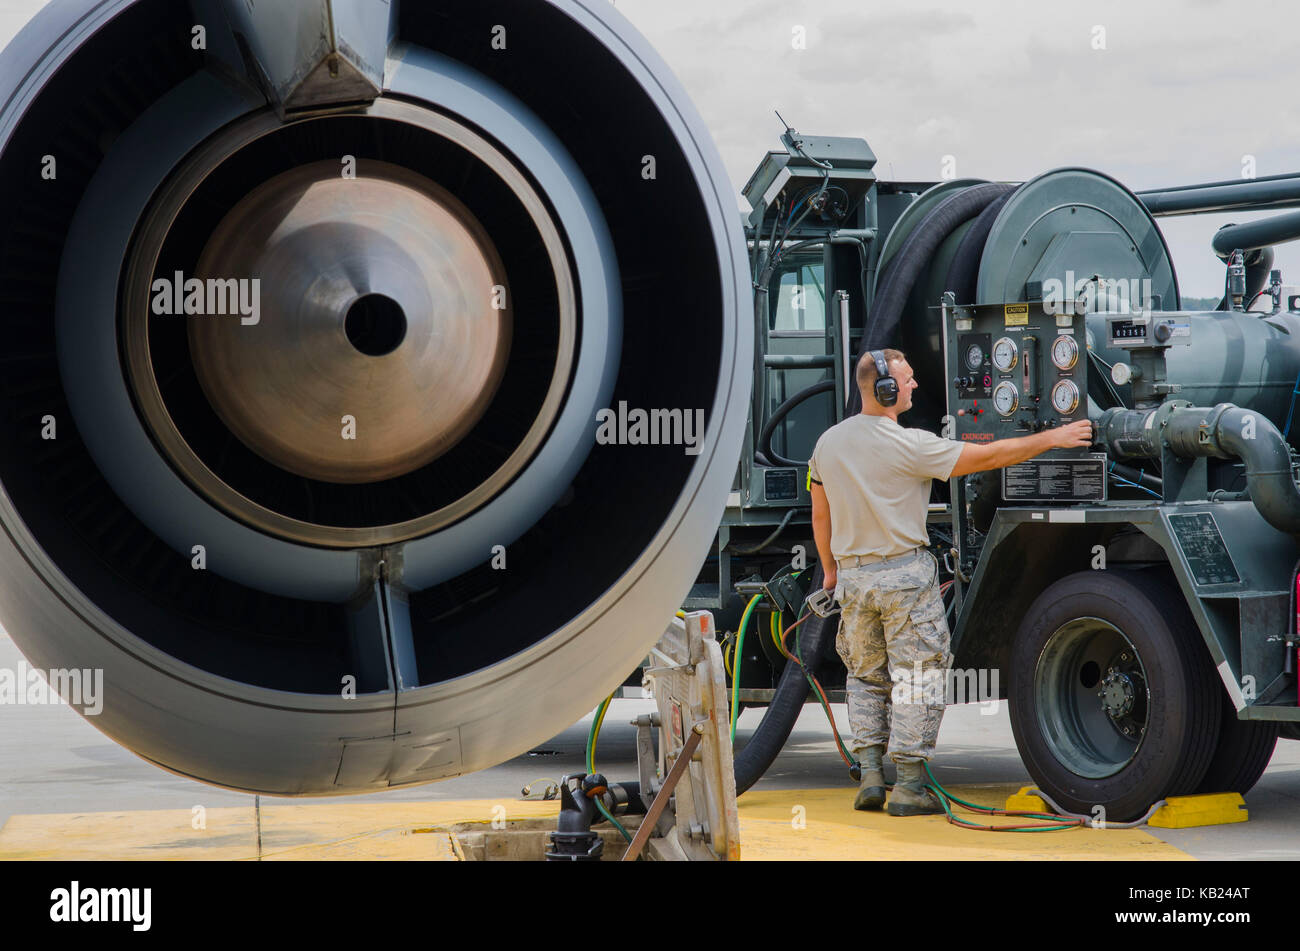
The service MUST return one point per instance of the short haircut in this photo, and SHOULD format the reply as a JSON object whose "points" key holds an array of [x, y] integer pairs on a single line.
{"points": [[866, 373]]}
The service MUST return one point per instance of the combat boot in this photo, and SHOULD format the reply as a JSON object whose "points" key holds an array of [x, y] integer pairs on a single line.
{"points": [[909, 797], [871, 794]]}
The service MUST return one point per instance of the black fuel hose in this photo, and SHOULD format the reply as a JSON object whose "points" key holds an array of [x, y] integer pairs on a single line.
{"points": [[911, 259], [1140, 476], [764, 446], [775, 533], [964, 271], [816, 639]]}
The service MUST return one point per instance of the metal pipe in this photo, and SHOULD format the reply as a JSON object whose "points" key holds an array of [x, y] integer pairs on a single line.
{"points": [[1225, 431], [1257, 234], [798, 361], [1253, 439], [847, 236], [1260, 194]]}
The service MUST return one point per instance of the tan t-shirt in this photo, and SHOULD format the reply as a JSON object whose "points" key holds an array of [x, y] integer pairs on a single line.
{"points": [[877, 478]]}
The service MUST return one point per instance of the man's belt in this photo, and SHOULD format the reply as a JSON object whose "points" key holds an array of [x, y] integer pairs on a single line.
{"points": [[862, 561]]}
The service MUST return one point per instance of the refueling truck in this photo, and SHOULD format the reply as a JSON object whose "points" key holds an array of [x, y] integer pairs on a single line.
{"points": [[1136, 600]]}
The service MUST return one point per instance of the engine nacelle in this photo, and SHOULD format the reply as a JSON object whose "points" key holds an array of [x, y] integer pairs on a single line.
{"points": [[339, 428]]}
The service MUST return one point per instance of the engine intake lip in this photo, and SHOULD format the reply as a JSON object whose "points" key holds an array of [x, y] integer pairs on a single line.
{"points": [[201, 473]]}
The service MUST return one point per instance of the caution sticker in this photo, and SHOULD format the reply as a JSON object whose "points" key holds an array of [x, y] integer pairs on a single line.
{"points": [[1016, 315]]}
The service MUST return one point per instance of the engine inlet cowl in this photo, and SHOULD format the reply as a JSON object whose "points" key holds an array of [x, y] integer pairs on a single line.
{"points": [[325, 311]]}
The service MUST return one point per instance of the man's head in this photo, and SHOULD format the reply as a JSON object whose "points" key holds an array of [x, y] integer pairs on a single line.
{"points": [[899, 370]]}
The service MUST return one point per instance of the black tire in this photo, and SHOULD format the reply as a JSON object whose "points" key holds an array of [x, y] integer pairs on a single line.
{"points": [[1100, 652], [1242, 753]]}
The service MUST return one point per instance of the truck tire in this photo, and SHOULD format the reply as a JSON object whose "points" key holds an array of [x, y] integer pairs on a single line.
{"points": [[1100, 653], [1242, 753]]}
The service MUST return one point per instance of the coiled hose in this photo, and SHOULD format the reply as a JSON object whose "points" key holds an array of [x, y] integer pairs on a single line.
{"points": [[909, 263]]}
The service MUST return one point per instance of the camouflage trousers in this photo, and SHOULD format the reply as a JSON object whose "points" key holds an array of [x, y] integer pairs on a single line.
{"points": [[894, 641]]}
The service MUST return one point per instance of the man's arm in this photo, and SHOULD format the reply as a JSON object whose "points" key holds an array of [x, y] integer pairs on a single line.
{"points": [[821, 523], [1007, 452]]}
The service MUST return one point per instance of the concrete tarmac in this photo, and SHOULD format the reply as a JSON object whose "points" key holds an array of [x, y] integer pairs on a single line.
{"points": [[53, 761]]}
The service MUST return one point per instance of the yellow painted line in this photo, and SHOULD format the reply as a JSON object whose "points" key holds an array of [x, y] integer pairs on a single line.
{"points": [[803, 824], [389, 830], [799, 824]]}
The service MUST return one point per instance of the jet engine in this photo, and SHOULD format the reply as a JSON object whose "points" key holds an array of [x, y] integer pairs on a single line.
{"points": [[375, 375]]}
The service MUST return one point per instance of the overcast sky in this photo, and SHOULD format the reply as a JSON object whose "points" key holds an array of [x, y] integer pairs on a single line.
{"points": [[1153, 92]]}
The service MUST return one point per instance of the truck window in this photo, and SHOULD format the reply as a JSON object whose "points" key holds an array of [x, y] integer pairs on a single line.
{"points": [[798, 298]]}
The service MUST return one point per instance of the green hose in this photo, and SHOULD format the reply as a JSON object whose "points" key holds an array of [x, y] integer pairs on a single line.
{"points": [[735, 673], [945, 796], [597, 719]]}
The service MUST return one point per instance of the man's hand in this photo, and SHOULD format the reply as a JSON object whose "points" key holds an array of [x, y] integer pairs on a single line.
{"points": [[822, 603], [1076, 435], [832, 577], [1008, 452]]}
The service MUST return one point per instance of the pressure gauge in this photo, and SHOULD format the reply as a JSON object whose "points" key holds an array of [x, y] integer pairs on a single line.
{"points": [[974, 356], [1121, 374], [1065, 397], [1006, 398], [1005, 354], [1065, 352]]}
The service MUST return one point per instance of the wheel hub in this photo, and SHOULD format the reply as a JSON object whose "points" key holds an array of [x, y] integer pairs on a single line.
{"points": [[1092, 697], [1116, 694]]}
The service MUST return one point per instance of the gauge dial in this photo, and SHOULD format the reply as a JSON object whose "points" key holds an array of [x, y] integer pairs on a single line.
{"points": [[974, 356], [1065, 352], [1005, 354], [1065, 397], [1006, 398]]}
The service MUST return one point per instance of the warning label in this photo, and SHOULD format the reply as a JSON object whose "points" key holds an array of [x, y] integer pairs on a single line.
{"points": [[1016, 315], [1055, 480]]}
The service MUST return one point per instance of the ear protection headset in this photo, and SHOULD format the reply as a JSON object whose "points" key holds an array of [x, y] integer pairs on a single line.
{"points": [[886, 385]]}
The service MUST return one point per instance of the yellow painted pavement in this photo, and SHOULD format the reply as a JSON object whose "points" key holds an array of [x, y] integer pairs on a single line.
{"points": [[315, 830], [802, 824], [833, 830]]}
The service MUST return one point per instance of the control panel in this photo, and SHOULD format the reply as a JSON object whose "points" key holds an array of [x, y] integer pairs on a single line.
{"points": [[1016, 369]]}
